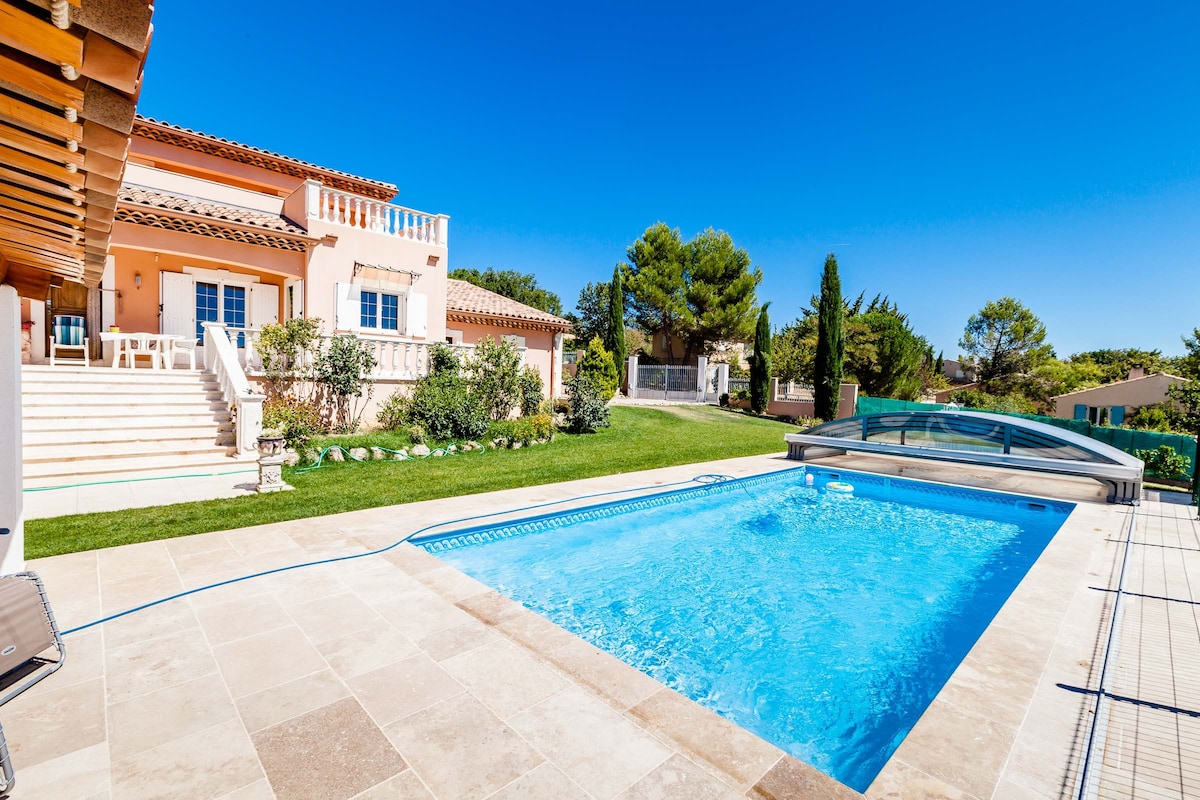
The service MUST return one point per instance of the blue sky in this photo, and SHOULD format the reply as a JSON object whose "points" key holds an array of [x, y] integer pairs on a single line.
{"points": [[949, 153]]}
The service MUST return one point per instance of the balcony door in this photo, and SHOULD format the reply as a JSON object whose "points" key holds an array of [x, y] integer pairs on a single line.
{"points": [[190, 299]]}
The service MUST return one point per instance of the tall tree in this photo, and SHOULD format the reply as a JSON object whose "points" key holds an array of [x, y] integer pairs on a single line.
{"points": [[1005, 340], [831, 343], [760, 363], [698, 293], [520, 287], [590, 317], [614, 338], [655, 282]]}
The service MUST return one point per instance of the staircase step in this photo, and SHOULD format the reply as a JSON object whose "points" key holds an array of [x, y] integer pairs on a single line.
{"points": [[98, 408], [128, 437], [32, 395], [211, 420], [33, 374], [120, 451], [61, 473]]}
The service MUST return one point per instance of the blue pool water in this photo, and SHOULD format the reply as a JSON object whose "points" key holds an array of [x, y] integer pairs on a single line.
{"points": [[824, 623]]}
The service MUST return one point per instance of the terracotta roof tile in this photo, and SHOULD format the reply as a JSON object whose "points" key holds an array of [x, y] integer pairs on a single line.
{"points": [[158, 130], [467, 298], [152, 198]]}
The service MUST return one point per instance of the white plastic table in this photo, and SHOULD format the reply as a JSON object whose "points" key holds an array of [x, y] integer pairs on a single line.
{"points": [[159, 347]]}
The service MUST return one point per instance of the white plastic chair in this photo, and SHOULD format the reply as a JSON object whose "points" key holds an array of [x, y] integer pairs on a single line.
{"points": [[182, 347], [137, 345]]}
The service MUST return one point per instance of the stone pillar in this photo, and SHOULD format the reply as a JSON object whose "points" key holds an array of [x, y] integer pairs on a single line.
{"points": [[702, 378], [722, 380], [556, 367], [632, 378], [12, 514]]}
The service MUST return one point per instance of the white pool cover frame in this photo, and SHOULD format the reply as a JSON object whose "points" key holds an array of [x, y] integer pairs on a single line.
{"points": [[976, 437]]}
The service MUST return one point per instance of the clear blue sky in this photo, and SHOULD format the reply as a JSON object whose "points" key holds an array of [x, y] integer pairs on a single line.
{"points": [[948, 153]]}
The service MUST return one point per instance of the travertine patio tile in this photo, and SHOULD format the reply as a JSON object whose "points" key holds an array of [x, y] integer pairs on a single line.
{"points": [[366, 650], [413, 560], [405, 786], [504, 677], [490, 607], [264, 539], [141, 668], [306, 583], [899, 781], [452, 584], [794, 780], [332, 753], [272, 706], [1013, 649], [169, 618], [461, 750], [333, 616], [546, 782], [121, 595], [708, 737], [459, 639], [269, 659], [134, 560], [397, 690], [80, 773], [990, 691], [260, 790], [150, 720], [963, 749], [74, 593], [679, 779], [208, 764], [420, 612], [1047, 768], [535, 632], [242, 617], [612, 678], [55, 723], [203, 569], [185, 546], [85, 662], [381, 584], [593, 744]]}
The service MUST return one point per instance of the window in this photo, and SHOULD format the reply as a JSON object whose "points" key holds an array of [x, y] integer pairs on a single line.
{"points": [[379, 311], [234, 311], [206, 307]]}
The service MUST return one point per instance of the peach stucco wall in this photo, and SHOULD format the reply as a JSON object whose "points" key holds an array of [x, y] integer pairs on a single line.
{"points": [[137, 309], [539, 352], [1130, 394]]}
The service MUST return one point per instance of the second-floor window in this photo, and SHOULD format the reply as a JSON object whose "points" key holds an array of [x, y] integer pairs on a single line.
{"points": [[379, 311]]}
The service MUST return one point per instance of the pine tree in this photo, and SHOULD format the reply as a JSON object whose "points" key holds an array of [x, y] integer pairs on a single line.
{"points": [[614, 339], [760, 367], [831, 343]]}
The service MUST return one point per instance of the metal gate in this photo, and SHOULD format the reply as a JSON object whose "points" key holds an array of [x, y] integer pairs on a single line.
{"points": [[660, 382]]}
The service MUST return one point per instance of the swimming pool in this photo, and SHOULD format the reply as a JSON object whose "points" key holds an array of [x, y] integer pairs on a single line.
{"points": [[824, 621]]}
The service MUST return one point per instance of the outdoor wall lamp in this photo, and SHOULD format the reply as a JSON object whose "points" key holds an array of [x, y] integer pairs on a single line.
{"points": [[137, 280]]}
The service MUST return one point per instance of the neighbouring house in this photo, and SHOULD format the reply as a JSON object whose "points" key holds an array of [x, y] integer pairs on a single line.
{"points": [[943, 395], [666, 349], [957, 371], [1111, 403], [211, 230]]}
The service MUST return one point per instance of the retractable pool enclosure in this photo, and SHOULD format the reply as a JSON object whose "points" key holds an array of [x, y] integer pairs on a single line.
{"points": [[971, 437]]}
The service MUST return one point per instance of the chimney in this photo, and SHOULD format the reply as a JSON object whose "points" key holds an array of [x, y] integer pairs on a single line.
{"points": [[1136, 372]]}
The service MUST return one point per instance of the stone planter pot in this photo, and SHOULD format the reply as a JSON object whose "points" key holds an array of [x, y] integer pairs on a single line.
{"points": [[271, 445]]}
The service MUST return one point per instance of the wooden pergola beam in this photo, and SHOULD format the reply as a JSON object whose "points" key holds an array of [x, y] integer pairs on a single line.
{"points": [[38, 166], [39, 120], [52, 203], [41, 211], [23, 31], [31, 75], [36, 221], [30, 182], [36, 145]]}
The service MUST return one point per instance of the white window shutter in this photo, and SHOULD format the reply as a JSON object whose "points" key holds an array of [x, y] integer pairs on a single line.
{"points": [[418, 315], [297, 309], [347, 307], [264, 304], [178, 303]]}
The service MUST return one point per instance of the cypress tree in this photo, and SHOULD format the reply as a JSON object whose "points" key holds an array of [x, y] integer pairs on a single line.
{"points": [[831, 343], [760, 367], [615, 333]]}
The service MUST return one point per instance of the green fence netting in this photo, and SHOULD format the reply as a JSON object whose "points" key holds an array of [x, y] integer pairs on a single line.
{"points": [[1125, 439]]}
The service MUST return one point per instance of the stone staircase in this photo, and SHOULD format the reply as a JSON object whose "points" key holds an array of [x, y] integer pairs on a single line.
{"points": [[101, 424]]}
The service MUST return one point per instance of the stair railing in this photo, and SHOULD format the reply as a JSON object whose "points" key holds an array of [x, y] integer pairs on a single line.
{"points": [[245, 405]]}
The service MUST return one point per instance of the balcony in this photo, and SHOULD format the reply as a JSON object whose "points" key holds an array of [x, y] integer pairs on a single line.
{"points": [[335, 207]]}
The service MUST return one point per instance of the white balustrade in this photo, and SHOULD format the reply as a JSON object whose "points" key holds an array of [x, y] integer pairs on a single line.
{"points": [[221, 358], [354, 211]]}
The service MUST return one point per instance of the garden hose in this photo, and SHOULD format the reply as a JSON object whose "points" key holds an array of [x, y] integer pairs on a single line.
{"points": [[403, 455], [706, 479]]}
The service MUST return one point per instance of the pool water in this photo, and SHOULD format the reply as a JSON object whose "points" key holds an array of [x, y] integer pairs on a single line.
{"points": [[824, 622]]}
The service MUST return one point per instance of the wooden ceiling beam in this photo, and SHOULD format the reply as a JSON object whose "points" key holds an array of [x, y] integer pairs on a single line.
{"points": [[42, 211], [20, 234], [49, 187], [37, 198], [108, 62], [39, 166], [36, 221], [23, 31], [29, 280], [54, 151], [96, 163], [29, 74], [42, 254], [38, 120], [3, 267], [106, 141]]}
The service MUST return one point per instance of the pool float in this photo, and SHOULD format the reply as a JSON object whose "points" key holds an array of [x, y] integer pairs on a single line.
{"points": [[839, 487]]}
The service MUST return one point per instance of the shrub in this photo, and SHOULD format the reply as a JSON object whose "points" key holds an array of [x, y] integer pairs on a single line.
{"points": [[444, 406], [597, 365], [393, 414], [417, 434], [282, 347], [342, 370], [523, 430], [589, 410], [1162, 417], [1012, 403], [739, 394], [1165, 462], [530, 384], [296, 420], [495, 373]]}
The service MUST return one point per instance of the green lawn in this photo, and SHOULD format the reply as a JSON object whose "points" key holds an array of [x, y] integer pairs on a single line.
{"points": [[640, 438]]}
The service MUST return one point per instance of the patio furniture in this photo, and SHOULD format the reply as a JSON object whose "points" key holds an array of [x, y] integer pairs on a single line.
{"points": [[130, 346], [31, 648], [68, 333], [181, 347]]}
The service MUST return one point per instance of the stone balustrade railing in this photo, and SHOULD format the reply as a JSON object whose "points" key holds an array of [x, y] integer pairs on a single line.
{"points": [[355, 211], [222, 359]]}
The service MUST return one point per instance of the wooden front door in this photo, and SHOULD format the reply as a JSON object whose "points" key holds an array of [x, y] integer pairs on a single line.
{"points": [[70, 298]]}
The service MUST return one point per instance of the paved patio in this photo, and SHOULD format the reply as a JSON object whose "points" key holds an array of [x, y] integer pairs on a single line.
{"points": [[89, 497], [396, 676]]}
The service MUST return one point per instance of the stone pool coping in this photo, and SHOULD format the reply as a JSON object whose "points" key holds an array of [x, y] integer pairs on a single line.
{"points": [[1000, 727]]}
